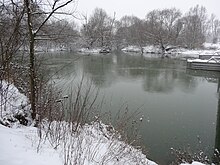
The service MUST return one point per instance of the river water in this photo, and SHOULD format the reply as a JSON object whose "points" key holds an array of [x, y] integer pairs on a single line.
{"points": [[178, 106]]}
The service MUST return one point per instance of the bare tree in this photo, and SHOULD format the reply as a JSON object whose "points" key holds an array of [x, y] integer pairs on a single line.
{"points": [[11, 34], [31, 9], [163, 27], [130, 31], [97, 30], [213, 29], [58, 34], [195, 27]]}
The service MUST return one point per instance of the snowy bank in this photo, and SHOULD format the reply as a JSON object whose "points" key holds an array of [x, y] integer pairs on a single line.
{"points": [[89, 51], [177, 52], [18, 147], [193, 163], [211, 46], [132, 48], [90, 146], [14, 106]]}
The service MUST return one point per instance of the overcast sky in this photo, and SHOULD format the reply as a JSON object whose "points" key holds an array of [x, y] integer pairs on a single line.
{"points": [[140, 8]]}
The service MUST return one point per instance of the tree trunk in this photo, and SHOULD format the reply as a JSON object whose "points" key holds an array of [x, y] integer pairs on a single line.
{"points": [[32, 78], [162, 50], [31, 61]]}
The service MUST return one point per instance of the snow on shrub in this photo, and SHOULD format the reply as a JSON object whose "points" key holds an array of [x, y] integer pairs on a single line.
{"points": [[92, 144], [14, 106]]}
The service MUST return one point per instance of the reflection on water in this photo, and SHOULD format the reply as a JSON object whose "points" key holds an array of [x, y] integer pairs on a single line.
{"points": [[179, 105]]}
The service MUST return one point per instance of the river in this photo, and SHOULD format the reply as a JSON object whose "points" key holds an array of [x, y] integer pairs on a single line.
{"points": [[178, 106]]}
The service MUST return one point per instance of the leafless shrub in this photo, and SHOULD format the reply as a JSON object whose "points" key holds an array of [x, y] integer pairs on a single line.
{"points": [[187, 156], [216, 157], [92, 143], [64, 124]]}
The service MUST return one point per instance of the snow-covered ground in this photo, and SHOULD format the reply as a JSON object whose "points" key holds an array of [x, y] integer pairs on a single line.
{"points": [[209, 49], [13, 105], [211, 46], [89, 51], [132, 48], [18, 147], [193, 163], [89, 146]]}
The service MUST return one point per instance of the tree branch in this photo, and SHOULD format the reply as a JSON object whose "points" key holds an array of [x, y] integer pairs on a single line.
{"points": [[50, 14]]}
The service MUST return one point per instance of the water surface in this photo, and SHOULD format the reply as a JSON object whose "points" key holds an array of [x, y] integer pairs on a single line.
{"points": [[179, 106]]}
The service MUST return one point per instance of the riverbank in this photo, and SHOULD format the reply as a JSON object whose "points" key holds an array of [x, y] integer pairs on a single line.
{"points": [[175, 52]]}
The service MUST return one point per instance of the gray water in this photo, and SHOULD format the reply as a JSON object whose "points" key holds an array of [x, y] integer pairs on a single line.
{"points": [[179, 106]]}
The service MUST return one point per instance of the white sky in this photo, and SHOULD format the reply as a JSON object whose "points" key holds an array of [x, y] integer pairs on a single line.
{"points": [[140, 8]]}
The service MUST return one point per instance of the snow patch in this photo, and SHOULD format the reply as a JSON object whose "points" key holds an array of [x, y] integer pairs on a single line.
{"points": [[151, 49], [89, 51], [132, 48], [14, 105], [211, 46], [193, 163], [90, 145], [17, 148]]}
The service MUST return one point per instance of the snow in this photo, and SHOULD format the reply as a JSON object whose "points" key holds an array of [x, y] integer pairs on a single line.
{"points": [[132, 48], [92, 145], [151, 49], [213, 59], [201, 61], [211, 45], [12, 103], [89, 51], [193, 163], [209, 49], [18, 147]]}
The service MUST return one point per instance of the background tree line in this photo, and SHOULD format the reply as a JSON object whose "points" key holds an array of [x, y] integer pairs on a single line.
{"points": [[161, 27]]}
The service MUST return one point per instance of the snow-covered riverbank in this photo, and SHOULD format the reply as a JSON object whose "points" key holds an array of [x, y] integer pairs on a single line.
{"points": [[209, 49], [91, 147], [19, 147]]}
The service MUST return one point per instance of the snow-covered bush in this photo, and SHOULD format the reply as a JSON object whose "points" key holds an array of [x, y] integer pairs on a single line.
{"points": [[188, 157], [92, 144], [14, 106]]}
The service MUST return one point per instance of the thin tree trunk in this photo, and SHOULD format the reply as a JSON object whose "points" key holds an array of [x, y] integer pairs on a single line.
{"points": [[31, 61], [32, 79]]}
